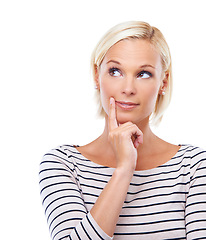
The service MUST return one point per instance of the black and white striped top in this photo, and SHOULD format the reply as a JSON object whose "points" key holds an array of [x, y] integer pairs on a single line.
{"points": [[167, 202]]}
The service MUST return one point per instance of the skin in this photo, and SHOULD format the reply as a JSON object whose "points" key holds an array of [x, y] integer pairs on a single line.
{"points": [[130, 72]]}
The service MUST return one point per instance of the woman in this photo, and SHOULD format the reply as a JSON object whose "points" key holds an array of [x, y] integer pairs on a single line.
{"points": [[128, 183]]}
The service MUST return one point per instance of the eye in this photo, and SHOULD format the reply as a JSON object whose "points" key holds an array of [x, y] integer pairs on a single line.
{"points": [[115, 72], [144, 74]]}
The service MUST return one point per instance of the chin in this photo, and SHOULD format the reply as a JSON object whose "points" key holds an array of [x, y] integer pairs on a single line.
{"points": [[123, 118]]}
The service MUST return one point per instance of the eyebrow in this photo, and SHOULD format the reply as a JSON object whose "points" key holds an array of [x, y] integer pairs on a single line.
{"points": [[147, 65], [142, 66], [113, 62]]}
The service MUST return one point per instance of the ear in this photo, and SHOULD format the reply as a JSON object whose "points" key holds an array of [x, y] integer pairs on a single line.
{"points": [[164, 84], [96, 77]]}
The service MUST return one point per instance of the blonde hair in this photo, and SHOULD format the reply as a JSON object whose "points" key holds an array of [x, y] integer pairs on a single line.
{"points": [[137, 30]]}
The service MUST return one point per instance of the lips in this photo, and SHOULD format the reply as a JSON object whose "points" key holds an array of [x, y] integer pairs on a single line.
{"points": [[126, 105]]}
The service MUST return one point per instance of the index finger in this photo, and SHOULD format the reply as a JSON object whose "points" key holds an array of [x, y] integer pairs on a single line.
{"points": [[112, 115]]}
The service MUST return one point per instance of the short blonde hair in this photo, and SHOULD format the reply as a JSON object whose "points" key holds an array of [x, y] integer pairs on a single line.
{"points": [[137, 30]]}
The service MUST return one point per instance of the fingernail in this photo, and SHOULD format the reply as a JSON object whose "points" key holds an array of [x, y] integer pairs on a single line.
{"points": [[111, 100]]}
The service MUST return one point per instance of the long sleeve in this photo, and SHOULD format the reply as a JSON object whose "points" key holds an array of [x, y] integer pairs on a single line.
{"points": [[195, 211], [63, 202]]}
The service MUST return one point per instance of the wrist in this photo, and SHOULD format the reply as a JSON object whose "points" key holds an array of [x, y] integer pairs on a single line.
{"points": [[124, 173]]}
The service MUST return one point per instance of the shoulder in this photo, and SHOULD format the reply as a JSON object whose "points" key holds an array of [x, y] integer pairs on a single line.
{"points": [[62, 151], [196, 156], [62, 154], [58, 161], [193, 152]]}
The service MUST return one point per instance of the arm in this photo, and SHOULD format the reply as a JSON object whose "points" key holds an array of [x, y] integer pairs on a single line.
{"points": [[64, 206], [109, 204], [195, 212]]}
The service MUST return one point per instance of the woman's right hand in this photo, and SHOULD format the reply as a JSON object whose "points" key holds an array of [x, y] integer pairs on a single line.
{"points": [[125, 139]]}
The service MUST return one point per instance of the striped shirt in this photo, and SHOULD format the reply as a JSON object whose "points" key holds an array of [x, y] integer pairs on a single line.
{"points": [[166, 202]]}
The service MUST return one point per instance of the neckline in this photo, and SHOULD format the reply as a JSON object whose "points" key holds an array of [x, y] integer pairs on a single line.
{"points": [[136, 171]]}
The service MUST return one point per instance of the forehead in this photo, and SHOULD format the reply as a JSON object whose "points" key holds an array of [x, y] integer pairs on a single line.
{"points": [[134, 51]]}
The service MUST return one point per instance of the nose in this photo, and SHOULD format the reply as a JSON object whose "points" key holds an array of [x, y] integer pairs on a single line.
{"points": [[129, 87]]}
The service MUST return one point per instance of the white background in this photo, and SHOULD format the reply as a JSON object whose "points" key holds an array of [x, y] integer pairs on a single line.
{"points": [[46, 92]]}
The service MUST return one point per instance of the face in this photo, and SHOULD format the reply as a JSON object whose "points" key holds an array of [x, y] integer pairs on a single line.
{"points": [[131, 73]]}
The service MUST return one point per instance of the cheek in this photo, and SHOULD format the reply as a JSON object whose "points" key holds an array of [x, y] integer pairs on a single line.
{"points": [[105, 94], [107, 90], [151, 96]]}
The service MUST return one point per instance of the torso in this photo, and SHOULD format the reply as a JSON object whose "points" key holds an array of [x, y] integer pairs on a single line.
{"points": [[164, 202]]}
